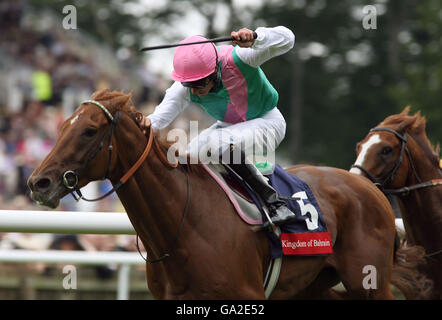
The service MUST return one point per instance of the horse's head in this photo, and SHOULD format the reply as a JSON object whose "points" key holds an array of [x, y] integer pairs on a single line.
{"points": [[384, 154], [82, 151]]}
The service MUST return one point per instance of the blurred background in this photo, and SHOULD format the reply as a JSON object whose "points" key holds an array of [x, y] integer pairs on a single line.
{"points": [[340, 80]]}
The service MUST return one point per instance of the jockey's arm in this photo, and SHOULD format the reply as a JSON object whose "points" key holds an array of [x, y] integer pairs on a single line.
{"points": [[271, 42], [174, 102]]}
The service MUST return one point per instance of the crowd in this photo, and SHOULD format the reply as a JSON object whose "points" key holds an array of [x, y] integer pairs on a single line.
{"points": [[44, 75], [43, 78]]}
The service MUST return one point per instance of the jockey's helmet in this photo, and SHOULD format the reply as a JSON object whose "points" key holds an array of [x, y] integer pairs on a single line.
{"points": [[194, 62]]}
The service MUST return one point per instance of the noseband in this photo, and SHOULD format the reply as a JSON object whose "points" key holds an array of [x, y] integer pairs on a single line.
{"points": [[390, 175]]}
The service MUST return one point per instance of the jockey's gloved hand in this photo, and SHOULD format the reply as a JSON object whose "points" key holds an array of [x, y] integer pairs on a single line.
{"points": [[145, 124], [243, 37]]}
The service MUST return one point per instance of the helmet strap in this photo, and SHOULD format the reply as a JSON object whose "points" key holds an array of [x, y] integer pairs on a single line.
{"points": [[216, 78]]}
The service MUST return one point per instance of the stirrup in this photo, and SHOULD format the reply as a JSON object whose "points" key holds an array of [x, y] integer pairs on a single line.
{"points": [[284, 217]]}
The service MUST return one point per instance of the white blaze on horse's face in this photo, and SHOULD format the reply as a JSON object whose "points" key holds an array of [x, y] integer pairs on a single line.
{"points": [[76, 117], [365, 147]]}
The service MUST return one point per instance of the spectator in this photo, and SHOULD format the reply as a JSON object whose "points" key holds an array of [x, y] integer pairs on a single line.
{"points": [[67, 242], [11, 12], [44, 76], [100, 242]]}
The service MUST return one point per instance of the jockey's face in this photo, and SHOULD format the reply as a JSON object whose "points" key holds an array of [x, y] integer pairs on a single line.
{"points": [[201, 92]]}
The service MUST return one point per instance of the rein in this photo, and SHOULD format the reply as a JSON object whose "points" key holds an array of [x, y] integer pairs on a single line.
{"points": [[390, 175], [180, 228], [74, 174]]}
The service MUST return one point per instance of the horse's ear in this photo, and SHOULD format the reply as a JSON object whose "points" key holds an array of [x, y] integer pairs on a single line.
{"points": [[420, 123], [100, 93], [408, 122], [405, 111], [119, 102]]}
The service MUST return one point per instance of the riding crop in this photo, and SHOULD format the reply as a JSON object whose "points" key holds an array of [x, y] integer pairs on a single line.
{"points": [[221, 39]]}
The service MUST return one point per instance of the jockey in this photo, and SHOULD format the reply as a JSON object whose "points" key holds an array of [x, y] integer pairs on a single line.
{"points": [[227, 82]]}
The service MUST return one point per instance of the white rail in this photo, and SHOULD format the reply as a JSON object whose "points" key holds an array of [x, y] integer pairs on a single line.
{"points": [[400, 227], [78, 257], [73, 222], [70, 222], [124, 259], [65, 222]]}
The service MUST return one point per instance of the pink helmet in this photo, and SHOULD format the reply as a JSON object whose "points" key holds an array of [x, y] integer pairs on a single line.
{"points": [[195, 61]]}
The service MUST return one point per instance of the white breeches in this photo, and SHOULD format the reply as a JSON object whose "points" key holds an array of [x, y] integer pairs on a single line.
{"points": [[260, 136]]}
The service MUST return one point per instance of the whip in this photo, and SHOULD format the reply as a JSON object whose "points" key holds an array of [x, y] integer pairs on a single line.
{"points": [[221, 39]]}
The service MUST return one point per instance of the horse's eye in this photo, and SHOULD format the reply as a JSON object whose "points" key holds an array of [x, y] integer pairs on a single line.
{"points": [[386, 150], [90, 132]]}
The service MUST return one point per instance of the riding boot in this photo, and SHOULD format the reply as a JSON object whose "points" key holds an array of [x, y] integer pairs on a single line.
{"points": [[279, 212]]}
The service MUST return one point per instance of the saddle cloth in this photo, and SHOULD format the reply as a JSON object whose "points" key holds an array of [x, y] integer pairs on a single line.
{"points": [[305, 235]]}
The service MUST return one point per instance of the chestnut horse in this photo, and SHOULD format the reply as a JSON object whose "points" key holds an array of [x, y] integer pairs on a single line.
{"points": [[188, 225], [399, 158]]}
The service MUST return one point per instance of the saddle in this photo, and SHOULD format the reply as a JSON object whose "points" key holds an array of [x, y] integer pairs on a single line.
{"points": [[247, 205], [305, 235]]}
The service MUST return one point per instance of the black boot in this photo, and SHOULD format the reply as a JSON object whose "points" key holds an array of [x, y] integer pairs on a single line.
{"points": [[279, 212]]}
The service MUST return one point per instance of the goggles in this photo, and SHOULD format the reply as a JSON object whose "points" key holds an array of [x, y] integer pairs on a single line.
{"points": [[198, 84]]}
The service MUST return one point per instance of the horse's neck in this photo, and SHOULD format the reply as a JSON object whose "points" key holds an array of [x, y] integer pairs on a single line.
{"points": [[154, 196], [425, 169], [422, 207]]}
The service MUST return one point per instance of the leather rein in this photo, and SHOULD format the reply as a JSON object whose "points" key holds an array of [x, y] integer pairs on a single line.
{"points": [[71, 177], [404, 191], [390, 175]]}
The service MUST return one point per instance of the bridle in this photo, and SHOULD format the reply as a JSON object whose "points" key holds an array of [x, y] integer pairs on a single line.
{"points": [[71, 177], [391, 174], [404, 191]]}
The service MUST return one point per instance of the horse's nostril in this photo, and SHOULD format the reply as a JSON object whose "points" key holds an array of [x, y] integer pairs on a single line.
{"points": [[43, 184]]}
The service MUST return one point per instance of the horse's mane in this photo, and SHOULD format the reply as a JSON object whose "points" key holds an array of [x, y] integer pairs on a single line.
{"points": [[415, 126], [120, 101]]}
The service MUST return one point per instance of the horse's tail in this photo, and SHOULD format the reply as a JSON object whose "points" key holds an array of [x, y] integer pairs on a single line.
{"points": [[406, 276]]}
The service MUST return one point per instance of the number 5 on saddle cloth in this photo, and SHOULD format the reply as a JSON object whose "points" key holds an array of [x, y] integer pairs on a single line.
{"points": [[303, 234]]}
